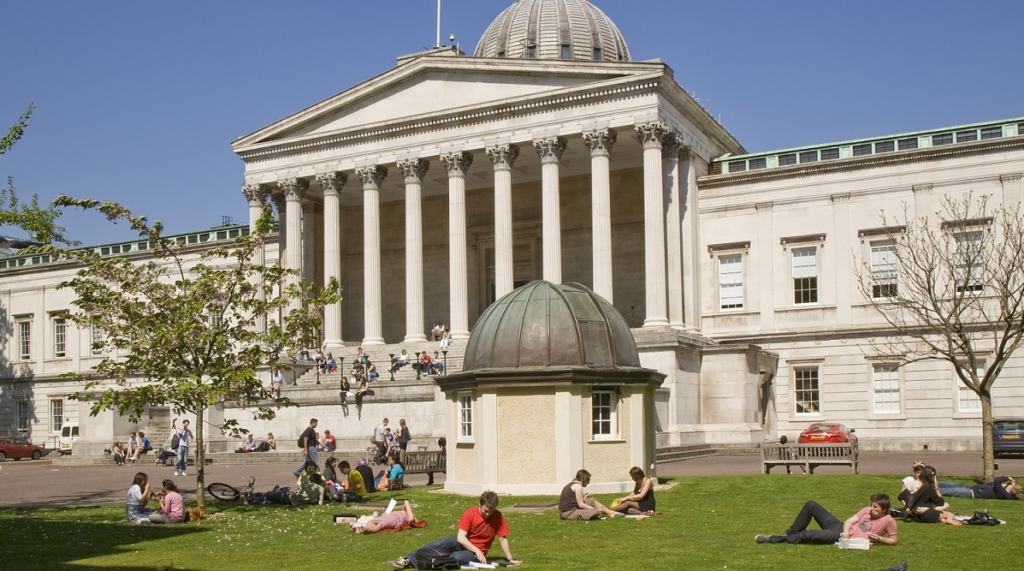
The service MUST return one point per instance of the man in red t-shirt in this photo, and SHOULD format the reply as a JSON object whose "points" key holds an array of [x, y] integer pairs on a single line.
{"points": [[477, 529], [872, 523]]}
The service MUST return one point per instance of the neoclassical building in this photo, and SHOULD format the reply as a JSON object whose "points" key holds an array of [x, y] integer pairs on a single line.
{"points": [[441, 185]]}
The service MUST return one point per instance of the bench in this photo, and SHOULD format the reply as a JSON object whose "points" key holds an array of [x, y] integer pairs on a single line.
{"points": [[809, 456], [424, 462]]}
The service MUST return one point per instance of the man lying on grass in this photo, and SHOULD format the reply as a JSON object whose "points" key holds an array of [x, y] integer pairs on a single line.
{"points": [[872, 523]]}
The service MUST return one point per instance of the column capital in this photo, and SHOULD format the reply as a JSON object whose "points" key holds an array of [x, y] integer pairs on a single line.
{"points": [[550, 149], [600, 143], [672, 146], [278, 199], [1011, 177], [650, 134], [456, 164], [414, 170], [256, 194], [332, 182], [503, 157], [372, 176], [293, 188], [927, 187], [764, 206]]}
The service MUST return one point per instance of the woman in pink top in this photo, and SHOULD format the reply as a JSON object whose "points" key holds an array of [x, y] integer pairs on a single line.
{"points": [[172, 507], [393, 520]]}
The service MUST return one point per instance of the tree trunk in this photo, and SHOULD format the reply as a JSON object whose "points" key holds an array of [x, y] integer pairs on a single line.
{"points": [[200, 458], [987, 455]]}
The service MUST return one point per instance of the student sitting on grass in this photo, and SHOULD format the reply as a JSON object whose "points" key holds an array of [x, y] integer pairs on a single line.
{"points": [[642, 498], [925, 504], [872, 523], [574, 503]]}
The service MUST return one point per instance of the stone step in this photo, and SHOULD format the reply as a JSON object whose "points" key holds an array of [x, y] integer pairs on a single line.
{"points": [[672, 453]]}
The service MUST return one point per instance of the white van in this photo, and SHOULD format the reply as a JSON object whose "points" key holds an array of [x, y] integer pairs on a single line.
{"points": [[68, 436]]}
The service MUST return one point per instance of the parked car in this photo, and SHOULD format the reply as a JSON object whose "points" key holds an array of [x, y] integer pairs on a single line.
{"points": [[1008, 436], [18, 448], [68, 436], [828, 433]]}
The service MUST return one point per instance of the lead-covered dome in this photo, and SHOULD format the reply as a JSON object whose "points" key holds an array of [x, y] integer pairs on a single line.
{"points": [[553, 29], [543, 325]]}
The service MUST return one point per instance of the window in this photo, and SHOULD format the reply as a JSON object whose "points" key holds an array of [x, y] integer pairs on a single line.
{"points": [[598, 54], [885, 147], [907, 144], [883, 269], [22, 419], [809, 157], [98, 339], [966, 136], [966, 399], [805, 390], [566, 51], [943, 139], [730, 281], [805, 275], [991, 132], [531, 52], [59, 337], [466, 417], [829, 154], [737, 166], [602, 410], [56, 415], [787, 159], [967, 268], [25, 339], [861, 150], [885, 385], [756, 164]]}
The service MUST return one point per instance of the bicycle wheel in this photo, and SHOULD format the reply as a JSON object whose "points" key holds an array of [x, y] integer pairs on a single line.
{"points": [[222, 492]]}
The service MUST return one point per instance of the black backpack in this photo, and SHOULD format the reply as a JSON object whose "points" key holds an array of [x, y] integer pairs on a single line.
{"points": [[175, 441], [430, 558]]}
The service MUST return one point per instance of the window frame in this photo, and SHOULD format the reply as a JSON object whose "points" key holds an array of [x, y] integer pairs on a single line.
{"points": [[895, 387], [962, 393], [884, 276], [465, 402], [60, 337], [805, 287], [796, 370], [56, 415], [968, 273], [608, 418], [96, 337], [23, 416], [23, 326]]}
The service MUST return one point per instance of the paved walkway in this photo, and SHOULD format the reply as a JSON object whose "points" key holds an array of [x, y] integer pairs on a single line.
{"points": [[31, 484]]}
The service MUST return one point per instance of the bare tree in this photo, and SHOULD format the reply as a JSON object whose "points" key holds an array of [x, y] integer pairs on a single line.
{"points": [[952, 288]]}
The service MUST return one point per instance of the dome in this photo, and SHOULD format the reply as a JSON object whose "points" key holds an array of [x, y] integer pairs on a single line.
{"points": [[543, 325], [553, 29]]}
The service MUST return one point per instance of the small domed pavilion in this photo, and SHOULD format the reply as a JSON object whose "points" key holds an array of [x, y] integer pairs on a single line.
{"points": [[551, 383]]}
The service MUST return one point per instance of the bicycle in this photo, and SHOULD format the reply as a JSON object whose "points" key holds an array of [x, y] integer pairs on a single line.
{"points": [[229, 493]]}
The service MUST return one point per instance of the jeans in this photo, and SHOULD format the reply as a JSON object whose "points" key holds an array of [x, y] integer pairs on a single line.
{"points": [[182, 462], [451, 545], [955, 490], [310, 455], [831, 528]]}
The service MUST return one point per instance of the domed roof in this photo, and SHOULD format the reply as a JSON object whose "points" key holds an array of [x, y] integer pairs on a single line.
{"points": [[553, 29], [543, 325]]}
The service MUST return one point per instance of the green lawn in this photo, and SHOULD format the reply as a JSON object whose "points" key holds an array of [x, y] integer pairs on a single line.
{"points": [[708, 523]]}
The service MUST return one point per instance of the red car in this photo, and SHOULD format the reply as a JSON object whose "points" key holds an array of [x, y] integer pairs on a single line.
{"points": [[827, 433], [18, 448]]}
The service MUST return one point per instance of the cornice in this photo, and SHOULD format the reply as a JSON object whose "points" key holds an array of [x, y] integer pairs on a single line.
{"points": [[927, 154]]}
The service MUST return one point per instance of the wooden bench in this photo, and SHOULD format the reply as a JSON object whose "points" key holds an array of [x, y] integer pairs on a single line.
{"points": [[809, 456], [424, 461]]}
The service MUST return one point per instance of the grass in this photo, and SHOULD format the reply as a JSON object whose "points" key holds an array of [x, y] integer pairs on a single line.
{"points": [[708, 523]]}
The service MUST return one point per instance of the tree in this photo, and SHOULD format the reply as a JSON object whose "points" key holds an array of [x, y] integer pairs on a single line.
{"points": [[181, 328], [40, 223], [951, 287]]}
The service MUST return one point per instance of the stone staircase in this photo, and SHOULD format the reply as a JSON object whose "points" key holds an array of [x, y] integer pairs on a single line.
{"points": [[673, 453], [381, 357]]}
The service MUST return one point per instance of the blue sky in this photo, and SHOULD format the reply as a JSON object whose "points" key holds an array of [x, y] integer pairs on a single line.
{"points": [[138, 102]]}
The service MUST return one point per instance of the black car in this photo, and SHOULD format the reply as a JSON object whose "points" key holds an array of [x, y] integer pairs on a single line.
{"points": [[1008, 436]]}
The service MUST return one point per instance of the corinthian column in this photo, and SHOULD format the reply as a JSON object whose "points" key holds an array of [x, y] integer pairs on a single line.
{"points": [[650, 135], [256, 195], [282, 227], [600, 144], [550, 151], [294, 189], [332, 183], [671, 147], [413, 172], [503, 157], [456, 165], [372, 177]]}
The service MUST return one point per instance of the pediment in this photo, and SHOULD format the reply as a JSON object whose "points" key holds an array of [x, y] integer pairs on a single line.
{"points": [[425, 88]]}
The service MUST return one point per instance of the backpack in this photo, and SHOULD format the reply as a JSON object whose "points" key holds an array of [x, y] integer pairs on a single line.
{"points": [[175, 441], [301, 447], [430, 558]]}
